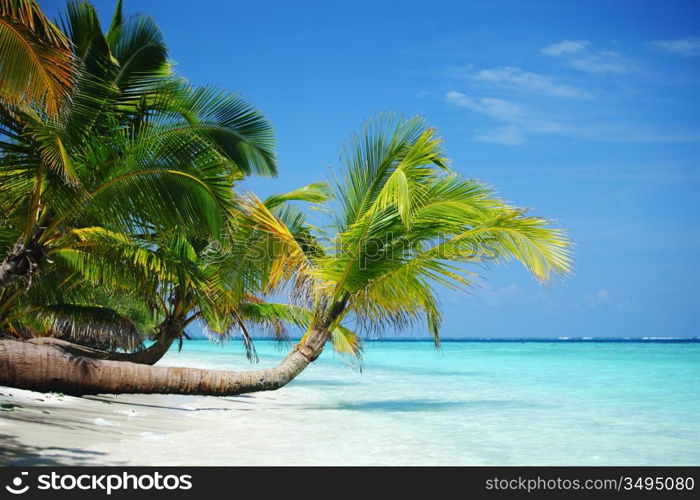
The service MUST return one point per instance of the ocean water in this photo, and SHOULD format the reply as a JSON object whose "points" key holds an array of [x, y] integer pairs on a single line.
{"points": [[470, 403]]}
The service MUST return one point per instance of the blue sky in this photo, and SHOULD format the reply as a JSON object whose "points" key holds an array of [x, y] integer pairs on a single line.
{"points": [[588, 112]]}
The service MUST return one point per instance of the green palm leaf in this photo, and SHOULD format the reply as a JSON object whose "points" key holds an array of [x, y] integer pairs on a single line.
{"points": [[35, 57]]}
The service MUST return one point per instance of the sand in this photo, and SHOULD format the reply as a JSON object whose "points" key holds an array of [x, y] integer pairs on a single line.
{"points": [[53, 429]]}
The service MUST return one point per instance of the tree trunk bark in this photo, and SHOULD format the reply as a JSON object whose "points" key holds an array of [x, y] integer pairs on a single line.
{"points": [[21, 262], [152, 354], [51, 367]]}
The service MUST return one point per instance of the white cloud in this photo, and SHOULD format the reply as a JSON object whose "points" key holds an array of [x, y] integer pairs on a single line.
{"points": [[518, 79], [512, 125], [510, 135], [688, 47], [565, 47], [578, 56], [604, 62], [460, 99], [515, 123], [509, 124], [510, 289], [598, 298], [499, 109], [496, 297]]}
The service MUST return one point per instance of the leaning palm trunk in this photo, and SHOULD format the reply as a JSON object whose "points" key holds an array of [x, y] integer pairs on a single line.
{"points": [[50, 367], [149, 356]]}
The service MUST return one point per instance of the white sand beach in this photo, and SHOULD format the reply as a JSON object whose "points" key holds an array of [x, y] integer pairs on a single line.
{"points": [[53, 429]]}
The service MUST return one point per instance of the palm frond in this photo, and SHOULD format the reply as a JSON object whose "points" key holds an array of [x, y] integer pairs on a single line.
{"points": [[97, 327], [407, 224], [386, 144], [138, 44], [316, 192], [228, 123], [35, 57], [346, 342], [288, 257], [114, 31], [81, 24]]}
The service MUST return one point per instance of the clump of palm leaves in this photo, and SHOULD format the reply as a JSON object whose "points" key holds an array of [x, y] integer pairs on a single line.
{"points": [[105, 150], [401, 224]]}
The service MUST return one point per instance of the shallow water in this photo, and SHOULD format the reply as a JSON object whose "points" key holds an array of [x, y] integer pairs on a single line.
{"points": [[471, 403]]}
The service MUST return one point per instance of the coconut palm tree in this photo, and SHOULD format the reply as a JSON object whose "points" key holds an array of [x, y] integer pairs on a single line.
{"points": [[179, 279], [123, 147], [129, 147], [402, 225]]}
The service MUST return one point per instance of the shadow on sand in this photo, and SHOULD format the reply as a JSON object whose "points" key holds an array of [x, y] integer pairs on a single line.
{"points": [[12, 452]]}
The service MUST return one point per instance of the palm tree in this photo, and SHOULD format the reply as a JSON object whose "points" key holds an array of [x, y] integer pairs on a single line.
{"points": [[36, 59], [181, 277], [129, 147], [403, 224], [122, 147]]}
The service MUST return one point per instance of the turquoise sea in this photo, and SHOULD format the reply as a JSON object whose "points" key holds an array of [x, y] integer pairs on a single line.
{"points": [[478, 403]]}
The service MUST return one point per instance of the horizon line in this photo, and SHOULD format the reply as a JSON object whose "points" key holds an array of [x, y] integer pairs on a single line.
{"points": [[648, 339]]}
